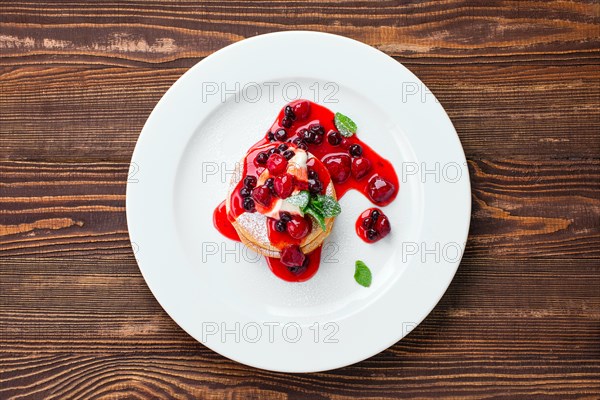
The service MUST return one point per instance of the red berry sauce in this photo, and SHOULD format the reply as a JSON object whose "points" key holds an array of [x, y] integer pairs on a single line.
{"points": [[222, 223], [297, 274], [379, 167], [346, 161]]}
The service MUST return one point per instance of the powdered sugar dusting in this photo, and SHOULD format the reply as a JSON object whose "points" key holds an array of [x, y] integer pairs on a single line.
{"points": [[256, 225]]}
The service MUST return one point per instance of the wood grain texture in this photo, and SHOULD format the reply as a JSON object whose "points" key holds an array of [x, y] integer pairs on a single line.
{"points": [[96, 114], [486, 337], [521, 83], [176, 33]]}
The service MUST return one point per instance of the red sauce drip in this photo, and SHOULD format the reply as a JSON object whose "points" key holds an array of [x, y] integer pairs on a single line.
{"points": [[283, 272], [379, 168], [223, 224]]}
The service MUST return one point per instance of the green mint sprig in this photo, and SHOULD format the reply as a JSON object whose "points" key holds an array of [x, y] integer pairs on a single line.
{"points": [[322, 207], [345, 125]]}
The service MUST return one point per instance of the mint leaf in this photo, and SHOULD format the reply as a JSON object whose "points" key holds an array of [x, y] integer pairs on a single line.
{"points": [[300, 199], [345, 125], [317, 215], [328, 206], [321, 207], [362, 274]]}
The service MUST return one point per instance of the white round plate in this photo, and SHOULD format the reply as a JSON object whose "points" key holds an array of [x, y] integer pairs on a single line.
{"points": [[223, 294]]}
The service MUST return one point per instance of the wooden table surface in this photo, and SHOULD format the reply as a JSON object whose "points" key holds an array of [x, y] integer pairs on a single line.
{"points": [[519, 79]]}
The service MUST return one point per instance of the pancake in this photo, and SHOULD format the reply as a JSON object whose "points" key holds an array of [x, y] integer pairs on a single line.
{"points": [[252, 226]]}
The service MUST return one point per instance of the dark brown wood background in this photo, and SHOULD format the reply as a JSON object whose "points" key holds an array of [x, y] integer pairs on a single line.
{"points": [[519, 79]]}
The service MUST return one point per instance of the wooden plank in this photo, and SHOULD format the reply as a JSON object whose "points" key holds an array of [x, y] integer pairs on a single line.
{"points": [[137, 33], [520, 81], [54, 209], [96, 114], [87, 327], [181, 375], [527, 208]]}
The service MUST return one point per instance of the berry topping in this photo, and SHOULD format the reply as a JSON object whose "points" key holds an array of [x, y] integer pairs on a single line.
{"points": [[382, 226], [245, 191], [334, 138], [280, 167], [298, 227], [302, 146], [269, 183], [380, 190], [248, 204], [314, 134], [307, 135], [338, 166], [315, 186], [301, 110], [285, 216], [262, 195], [288, 154], [355, 150], [276, 164], [299, 142], [299, 270], [301, 185], [317, 129], [282, 147], [261, 158], [280, 226], [284, 185], [375, 214], [373, 225], [281, 135], [372, 235], [360, 167], [289, 112], [318, 139], [250, 181], [292, 256]]}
